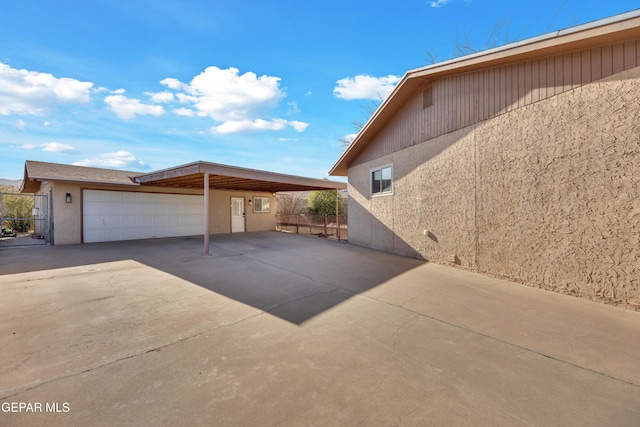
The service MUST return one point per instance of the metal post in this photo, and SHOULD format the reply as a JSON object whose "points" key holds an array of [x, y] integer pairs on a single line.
{"points": [[206, 213]]}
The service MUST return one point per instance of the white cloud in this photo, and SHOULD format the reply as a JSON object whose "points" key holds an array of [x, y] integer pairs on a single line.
{"points": [[438, 3], [364, 86], [349, 138], [172, 83], [20, 124], [237, 102], [226, 95], [184, 112], [56, 147], [128, 108], [293, 107], [160, 97], [118, 160], [51, 147], [30, 92], [299, 126], [258, 125]]}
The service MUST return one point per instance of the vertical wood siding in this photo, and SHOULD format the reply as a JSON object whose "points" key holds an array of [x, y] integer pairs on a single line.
{"points": [[465, 99]]}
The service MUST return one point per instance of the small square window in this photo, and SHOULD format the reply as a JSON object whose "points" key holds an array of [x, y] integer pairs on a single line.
{"points": [[427, 97], [382, 180], [261, 204]]}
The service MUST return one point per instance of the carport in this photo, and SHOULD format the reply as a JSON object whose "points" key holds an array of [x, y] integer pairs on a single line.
{"points": [[91, 205], [210, 176]]}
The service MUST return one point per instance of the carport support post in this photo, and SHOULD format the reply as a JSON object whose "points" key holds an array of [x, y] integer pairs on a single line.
{"points": [[206, 213]]}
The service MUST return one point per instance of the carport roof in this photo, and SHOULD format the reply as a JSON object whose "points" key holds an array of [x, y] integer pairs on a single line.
{"points": [[233, 178], [186, 176]]}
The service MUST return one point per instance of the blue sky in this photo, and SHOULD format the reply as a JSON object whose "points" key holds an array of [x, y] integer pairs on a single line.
{"points": [[149, 84]]}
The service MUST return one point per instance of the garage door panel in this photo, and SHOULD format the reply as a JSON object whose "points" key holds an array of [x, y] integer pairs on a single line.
{"points": [[118, 215]]}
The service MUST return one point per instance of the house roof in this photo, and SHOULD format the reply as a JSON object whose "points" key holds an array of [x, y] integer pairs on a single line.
{"points": [[37, 172], [186, 176], [606, 31]]}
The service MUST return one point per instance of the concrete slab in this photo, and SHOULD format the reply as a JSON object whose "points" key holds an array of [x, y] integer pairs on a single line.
{"points": [[277, 329]]}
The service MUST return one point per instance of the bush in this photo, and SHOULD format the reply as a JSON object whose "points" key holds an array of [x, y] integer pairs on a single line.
{"points": [[324, 203], [18, 209]]}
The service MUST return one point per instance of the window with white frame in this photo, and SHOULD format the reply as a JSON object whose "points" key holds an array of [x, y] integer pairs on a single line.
{"points": [[382, 180], [261, 204]]}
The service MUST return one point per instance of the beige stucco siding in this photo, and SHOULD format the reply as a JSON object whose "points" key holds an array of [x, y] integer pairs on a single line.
{"points": [[547, 194], [431, 213], [67, 217], [559, 179]]}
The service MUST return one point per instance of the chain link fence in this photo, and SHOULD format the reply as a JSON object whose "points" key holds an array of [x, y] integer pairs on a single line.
{"points": [[25, 220]]}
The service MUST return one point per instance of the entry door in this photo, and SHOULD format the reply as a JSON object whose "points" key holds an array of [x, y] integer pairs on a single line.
{"points": [[237, 214]]}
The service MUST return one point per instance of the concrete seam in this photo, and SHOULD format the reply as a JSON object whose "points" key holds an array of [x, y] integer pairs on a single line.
{"points": [[502, 341]]}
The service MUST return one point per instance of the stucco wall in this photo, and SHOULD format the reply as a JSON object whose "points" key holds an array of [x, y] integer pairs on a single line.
{"points": [[67, 217], [559, 192], [220, 212], [547, 194]]}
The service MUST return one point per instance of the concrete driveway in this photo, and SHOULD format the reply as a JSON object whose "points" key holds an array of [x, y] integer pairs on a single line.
{"points": [[278, 329]]}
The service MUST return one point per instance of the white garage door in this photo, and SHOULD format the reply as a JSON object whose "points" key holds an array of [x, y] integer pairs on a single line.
{"points": [[119, 215]]}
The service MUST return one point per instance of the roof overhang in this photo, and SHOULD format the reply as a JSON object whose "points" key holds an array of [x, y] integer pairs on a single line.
{"points": [[616, 29], [226, 177], [36, 173]]}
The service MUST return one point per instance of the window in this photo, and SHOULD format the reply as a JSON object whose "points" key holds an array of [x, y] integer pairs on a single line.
{"points": [[427, 97], [261, 204], [382, 180]]}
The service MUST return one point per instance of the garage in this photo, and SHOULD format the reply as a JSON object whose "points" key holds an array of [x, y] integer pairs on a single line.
{"points": [[122, 215], [99, 205]]}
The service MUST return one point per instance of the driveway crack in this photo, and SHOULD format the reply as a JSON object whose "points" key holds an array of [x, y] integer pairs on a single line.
{"points": [[132, 356], [464, 328]]}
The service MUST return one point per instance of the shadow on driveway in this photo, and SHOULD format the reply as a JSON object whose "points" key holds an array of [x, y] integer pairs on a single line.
{"points": [[266, 270]]}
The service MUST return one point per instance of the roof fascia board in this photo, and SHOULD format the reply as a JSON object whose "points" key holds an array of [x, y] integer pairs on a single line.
{"points": [[201, 167], [544, 45], [175, 172], [244, 173]]}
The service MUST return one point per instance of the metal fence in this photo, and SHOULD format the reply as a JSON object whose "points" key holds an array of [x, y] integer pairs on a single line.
{"points": [[315, 225], [25, 220]]}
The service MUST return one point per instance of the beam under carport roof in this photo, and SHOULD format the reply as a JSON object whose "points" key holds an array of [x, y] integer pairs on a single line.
{"points": [[226, 177], [207, 176]]}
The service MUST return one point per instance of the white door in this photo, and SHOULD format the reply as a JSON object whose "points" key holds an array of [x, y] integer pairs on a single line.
{"points": [[237, 214], [121, 215]]}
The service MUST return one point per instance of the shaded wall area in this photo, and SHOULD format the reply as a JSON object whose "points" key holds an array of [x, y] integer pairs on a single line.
{"points": [[547, 195]]}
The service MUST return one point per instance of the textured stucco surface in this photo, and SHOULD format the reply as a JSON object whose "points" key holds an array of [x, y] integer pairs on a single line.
{"points": [[547, 195]]}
